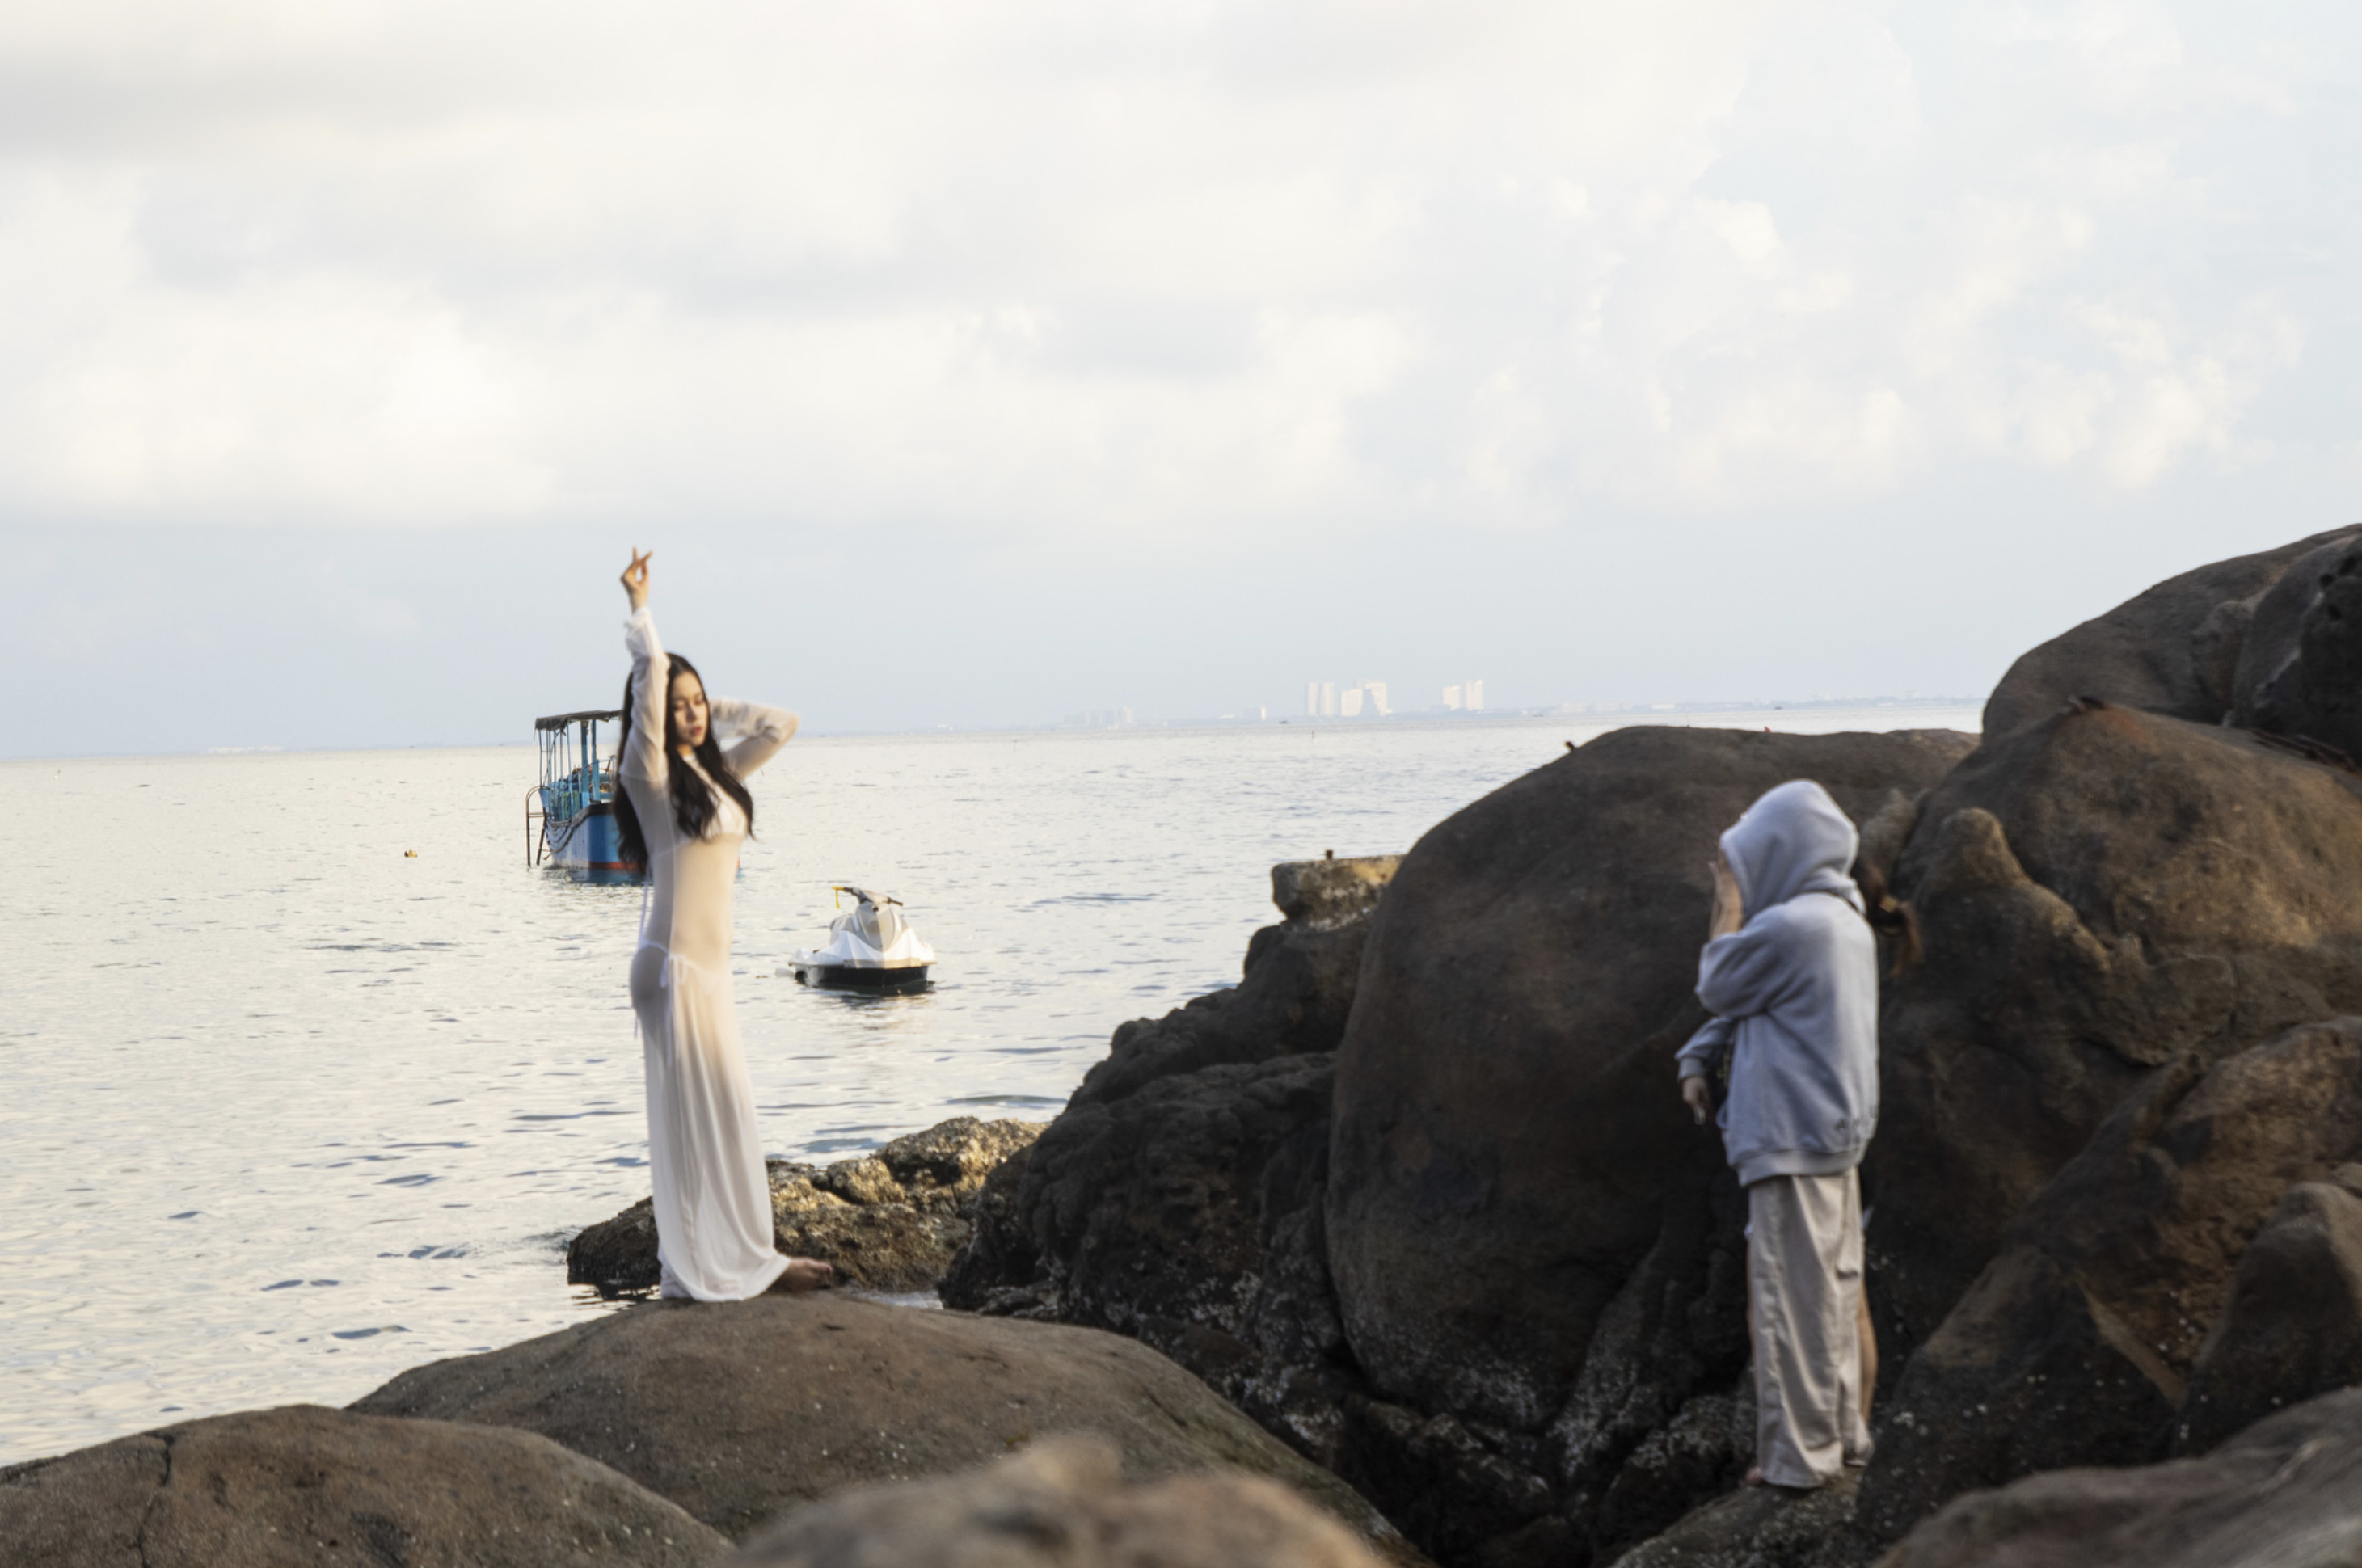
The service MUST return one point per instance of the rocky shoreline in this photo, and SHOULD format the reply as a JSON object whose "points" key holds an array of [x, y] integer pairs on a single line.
{"points": [[890, 1222], [1403, 1249]]}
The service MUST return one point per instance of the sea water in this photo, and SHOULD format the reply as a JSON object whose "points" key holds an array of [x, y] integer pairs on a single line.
{"points": [[306, 1077]]}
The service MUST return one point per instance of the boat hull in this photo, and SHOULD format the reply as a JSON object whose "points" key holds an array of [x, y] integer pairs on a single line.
{"points": [[589, 847], [861, 976]]}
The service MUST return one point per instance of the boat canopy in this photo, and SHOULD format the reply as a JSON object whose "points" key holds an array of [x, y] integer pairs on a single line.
{"points": [[560, 720]]}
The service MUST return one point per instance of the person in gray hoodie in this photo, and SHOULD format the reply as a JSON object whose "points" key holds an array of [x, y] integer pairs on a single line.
{"points": [[1789, 973]]}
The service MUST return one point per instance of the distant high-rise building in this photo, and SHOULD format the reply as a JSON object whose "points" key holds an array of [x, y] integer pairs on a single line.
{"points": [[1311, 699], [1327, 699], [1451, 698], [1475, 696], [1349, 703], [1377, 691]]}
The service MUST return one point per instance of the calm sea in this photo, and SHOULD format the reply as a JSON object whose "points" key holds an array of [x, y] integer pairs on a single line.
{"points": [[287, 1110]]}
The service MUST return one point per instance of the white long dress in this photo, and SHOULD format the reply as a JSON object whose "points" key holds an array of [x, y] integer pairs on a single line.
{"points": [[713, 1199]]}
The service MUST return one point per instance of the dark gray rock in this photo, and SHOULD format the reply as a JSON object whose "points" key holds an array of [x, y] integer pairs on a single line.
{"points": [[2293, 1328], [2074, 1344], [302, 1486], [2285, 1493], [1062, 1504], [1753, 1527], [740, 1411], [1186, 1214], [2178, 648], [889, 1220]]}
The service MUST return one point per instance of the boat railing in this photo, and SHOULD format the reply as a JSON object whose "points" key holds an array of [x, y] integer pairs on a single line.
{"points": [[576, 775]]}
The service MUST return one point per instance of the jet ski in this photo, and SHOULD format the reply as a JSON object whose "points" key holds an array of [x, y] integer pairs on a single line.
{"points": [[871, 948]]}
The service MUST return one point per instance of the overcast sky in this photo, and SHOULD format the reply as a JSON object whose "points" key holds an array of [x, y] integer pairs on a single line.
{"points": [[975, 364]]}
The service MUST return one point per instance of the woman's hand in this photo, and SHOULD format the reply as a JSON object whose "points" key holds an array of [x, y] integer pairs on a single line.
{"points": [[1694, 1096], [636, 578], [1729, 907]]}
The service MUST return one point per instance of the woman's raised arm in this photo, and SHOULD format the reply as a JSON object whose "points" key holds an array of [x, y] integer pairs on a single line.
{"points": [[761, 731], [644, 756]]}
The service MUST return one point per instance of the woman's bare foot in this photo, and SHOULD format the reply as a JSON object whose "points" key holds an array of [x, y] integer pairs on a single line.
{"points": [[1755, 1475], [803, 1274]]}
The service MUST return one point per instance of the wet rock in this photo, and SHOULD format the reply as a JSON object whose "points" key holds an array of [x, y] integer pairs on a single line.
{"points": [[302, 1485], [889, 1220], [2293, 1328], [2101, 893], [2287, 1491], [2182, 648], [1754, 1527], [2074, 1345], [1061, 1504], [1508, 1148], [738, 1412]]}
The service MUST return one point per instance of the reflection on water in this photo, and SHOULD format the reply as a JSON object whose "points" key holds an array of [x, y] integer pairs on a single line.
{"points": [[289, 1111]]}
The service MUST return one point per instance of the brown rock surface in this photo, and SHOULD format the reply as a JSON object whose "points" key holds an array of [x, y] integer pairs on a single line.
{"points": [[2101, 892], [738, 1412], [2176, 648], [2284, 1494], [1508, 1147], [889, 1220], [2074, 1345], [2293, 1328], [1061, 1505], [304, 1485]]}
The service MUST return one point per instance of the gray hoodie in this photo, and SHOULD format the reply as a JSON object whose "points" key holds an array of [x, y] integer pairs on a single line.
{"points": [[1793, 993]]}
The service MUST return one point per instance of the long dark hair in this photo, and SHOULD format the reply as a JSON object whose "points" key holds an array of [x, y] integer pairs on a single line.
{"points": [[1889, 916], [692, 802]]}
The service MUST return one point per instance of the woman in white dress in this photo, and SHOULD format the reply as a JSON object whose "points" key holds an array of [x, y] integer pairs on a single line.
{"points": [[686, 811]]}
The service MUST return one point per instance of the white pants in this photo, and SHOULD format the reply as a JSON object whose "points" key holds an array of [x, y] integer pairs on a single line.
{"points": [[1804, 1258]]}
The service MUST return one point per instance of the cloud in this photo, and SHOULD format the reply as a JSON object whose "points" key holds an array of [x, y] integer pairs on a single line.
{"points": [[1048, 270]]}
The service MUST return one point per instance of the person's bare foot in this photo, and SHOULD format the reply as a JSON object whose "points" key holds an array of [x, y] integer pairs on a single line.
{"points": [[1755, 1475], [803, 1274]]}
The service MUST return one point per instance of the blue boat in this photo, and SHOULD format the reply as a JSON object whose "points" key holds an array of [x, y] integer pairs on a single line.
{"points": [[575, 802]]}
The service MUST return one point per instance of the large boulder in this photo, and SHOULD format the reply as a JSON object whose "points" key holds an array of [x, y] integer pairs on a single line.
{"points": [[2285, 1493], [1507, 1146], [889, 1220], [2101, 893], [304, 1485], [2293, 1328], [739, 1412], [2075, 1346], [1061, 1505], [2182, 648]]}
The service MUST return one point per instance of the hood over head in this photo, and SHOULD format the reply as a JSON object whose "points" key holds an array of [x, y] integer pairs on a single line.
{"points": [[1793, 840]]}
